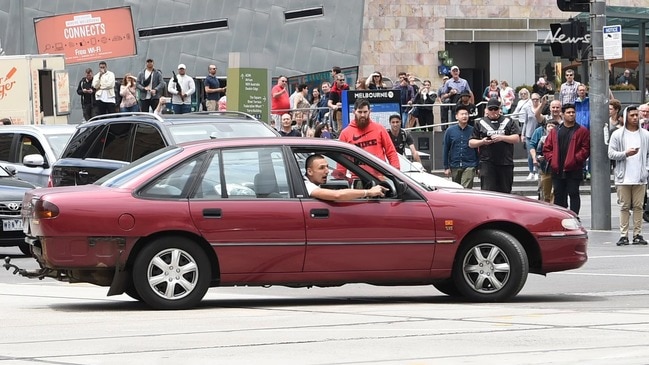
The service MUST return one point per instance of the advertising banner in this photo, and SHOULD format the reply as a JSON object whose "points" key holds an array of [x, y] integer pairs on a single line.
{"points": [[383, 103], [87, 36]]}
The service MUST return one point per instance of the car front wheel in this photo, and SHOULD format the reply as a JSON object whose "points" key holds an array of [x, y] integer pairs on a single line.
{"points": [[171, 273], [490, 266]]}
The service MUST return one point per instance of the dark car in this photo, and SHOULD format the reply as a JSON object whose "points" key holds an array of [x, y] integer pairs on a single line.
{"points": [[12, 191], [237, 212], [108, 142]]}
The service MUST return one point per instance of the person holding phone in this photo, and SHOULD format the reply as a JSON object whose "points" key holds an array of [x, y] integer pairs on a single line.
{"points": [[629, 148]]}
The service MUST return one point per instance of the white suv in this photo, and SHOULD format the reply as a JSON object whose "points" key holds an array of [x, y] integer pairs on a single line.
{"points": [[32, 149]]}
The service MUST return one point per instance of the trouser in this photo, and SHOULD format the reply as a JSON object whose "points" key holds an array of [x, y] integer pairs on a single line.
{"points": [[631, 198], [104, 108], [181, 108], [564, 188], [88, 111], [530, 162], [145, 104], [498, 178], [545, 187], [463, 176], [211, 105]]}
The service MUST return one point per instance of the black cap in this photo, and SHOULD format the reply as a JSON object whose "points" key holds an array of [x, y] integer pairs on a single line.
{"points": [[149, 59], [493, 102]]}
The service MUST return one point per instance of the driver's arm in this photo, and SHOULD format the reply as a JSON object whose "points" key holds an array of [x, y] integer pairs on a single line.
{"points": [[348, 194]]}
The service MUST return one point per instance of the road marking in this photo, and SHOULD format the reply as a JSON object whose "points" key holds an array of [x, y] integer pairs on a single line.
{"points": [[616, 256], [597, 274]]}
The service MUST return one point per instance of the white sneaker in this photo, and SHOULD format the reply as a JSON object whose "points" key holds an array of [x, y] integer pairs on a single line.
{"points": [[530, 176], [536, 177]]}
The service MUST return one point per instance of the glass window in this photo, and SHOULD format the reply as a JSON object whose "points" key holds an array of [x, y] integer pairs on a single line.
{"points": [[5, 146], [127, 173], [117, 142], [29, 146], [81, 144], [175, 183], [209, 187], [147, 140], [255, 173]]}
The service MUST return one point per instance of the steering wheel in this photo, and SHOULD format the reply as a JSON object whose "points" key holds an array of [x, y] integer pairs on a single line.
{"points": [[390, 192]]}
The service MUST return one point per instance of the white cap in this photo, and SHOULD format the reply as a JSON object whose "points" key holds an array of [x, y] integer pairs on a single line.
{"points": [[454, 68], [182, 65]]}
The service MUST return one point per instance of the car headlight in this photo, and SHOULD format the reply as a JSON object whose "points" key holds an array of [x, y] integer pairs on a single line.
{"points": [[571, 223]]}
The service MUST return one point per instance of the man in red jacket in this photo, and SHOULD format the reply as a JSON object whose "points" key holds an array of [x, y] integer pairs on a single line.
{"points": [[368, 135], [566, 149]]}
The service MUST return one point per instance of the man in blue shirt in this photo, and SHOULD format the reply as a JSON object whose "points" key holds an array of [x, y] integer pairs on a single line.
{"points": [[213, 90], [460, 161]]}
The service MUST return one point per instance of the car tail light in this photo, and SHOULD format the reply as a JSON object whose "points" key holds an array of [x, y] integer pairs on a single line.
{"points": [[45, 210], [50, 184]]}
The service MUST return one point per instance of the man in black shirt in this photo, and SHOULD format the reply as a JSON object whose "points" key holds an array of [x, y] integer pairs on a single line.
{"points": [[495, 136], [87, 93], [400, 138]]}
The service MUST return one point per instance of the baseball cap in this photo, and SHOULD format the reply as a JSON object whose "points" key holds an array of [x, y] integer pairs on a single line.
{"points": [[182, 65], [149, 59], [455, 68], [493, 102]]}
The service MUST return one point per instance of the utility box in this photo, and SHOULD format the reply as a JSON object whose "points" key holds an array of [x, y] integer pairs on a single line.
{"points": [[34, 89]]}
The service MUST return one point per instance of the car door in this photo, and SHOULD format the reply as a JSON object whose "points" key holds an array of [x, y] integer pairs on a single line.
{"points": [[244, 208], [368, 235]]}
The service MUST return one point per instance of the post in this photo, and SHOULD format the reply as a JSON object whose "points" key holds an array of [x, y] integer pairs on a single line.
{"points": [[599, 161]]}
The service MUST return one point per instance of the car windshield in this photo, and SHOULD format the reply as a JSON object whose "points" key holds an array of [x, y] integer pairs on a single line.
{"points": [[58, 142], [204, 130], [121, 176]]}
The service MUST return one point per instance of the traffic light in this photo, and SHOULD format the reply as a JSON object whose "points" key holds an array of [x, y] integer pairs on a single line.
{"points": [[567, 38], [574, 5]]}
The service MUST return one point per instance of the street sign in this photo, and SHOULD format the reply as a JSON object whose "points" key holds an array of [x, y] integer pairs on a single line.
{"points": [[612, 42]]}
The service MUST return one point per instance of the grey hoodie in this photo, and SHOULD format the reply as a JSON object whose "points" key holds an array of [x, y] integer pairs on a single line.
{"points": [[617, 151]]}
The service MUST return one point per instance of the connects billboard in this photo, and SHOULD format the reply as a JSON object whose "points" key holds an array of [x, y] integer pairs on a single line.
{"points": [[87, 36]]}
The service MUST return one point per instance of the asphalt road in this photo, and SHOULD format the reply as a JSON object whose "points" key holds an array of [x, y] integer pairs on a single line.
{"points": [[597, 314]]}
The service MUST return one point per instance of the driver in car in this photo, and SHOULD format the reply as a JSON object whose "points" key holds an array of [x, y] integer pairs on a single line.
{"points": [[316, 175]]}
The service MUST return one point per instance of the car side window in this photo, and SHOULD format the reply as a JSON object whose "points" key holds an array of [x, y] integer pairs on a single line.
{"points": [[81, 145], [147, 139], [251, 173], [29, 146], [5, 146], [175, 183], [114, 143], [209, 186]]}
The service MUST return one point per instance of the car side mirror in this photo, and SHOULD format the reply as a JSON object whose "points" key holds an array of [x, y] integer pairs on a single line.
{"points": [[34, 160]]}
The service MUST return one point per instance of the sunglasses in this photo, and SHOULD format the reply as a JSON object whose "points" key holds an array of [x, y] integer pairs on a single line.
{"points": [[493, 108]]}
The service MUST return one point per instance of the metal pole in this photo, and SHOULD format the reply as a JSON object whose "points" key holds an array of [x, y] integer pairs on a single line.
{"points": [[598, 95], [642, 81]]}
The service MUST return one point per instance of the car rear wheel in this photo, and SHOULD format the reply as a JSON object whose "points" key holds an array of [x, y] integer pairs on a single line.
{"points": [[490, 266], [171, 273]]}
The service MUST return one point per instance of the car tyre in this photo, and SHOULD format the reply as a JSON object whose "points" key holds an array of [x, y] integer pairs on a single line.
{"points": [[447, 287], [171, 273], [490, 266]]}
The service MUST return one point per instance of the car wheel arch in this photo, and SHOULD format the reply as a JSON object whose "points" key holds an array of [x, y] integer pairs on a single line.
{"points": [[200, 241], [524, 236]]}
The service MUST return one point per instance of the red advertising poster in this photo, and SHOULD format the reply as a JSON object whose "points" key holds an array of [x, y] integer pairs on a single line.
{"points": [[87, 36]]}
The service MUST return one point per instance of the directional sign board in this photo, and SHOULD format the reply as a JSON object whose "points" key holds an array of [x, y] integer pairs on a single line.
{"points": [[612, 42], [248, 91]]}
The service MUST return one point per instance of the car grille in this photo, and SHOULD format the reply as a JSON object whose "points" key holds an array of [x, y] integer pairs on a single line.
{"points": [[10, 208]]}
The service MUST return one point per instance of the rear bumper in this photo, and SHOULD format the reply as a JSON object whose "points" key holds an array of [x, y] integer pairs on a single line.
{"points": [[79, 252]]}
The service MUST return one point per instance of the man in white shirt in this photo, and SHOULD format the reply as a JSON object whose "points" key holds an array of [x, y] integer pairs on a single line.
{"points": [[317, 171], [104, 83], [182, 92]]}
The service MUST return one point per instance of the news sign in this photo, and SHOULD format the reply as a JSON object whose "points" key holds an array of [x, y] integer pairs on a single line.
{"points": [[87, 36]]}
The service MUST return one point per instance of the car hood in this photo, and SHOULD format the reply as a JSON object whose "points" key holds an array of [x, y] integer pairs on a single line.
{"points": [[432, 180], [13, 192]]}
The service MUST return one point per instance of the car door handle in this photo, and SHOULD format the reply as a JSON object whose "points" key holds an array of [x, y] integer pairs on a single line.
{"points": [[212, 213], [319, 213], [83, 172]]}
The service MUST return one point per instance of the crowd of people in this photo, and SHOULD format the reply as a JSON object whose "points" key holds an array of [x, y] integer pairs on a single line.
{"points": [[101, 94]]}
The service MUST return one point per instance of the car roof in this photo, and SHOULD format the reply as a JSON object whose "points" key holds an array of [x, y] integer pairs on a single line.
{"points": [[171, 119], [266, 141], [40, 128]]}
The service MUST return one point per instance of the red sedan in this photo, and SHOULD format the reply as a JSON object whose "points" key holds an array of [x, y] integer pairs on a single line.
{"points": [[237, 212]]}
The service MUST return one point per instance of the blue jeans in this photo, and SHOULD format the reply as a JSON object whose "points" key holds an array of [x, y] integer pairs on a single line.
{"points": [[181, 108], [530, 162], [130, 109]]}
